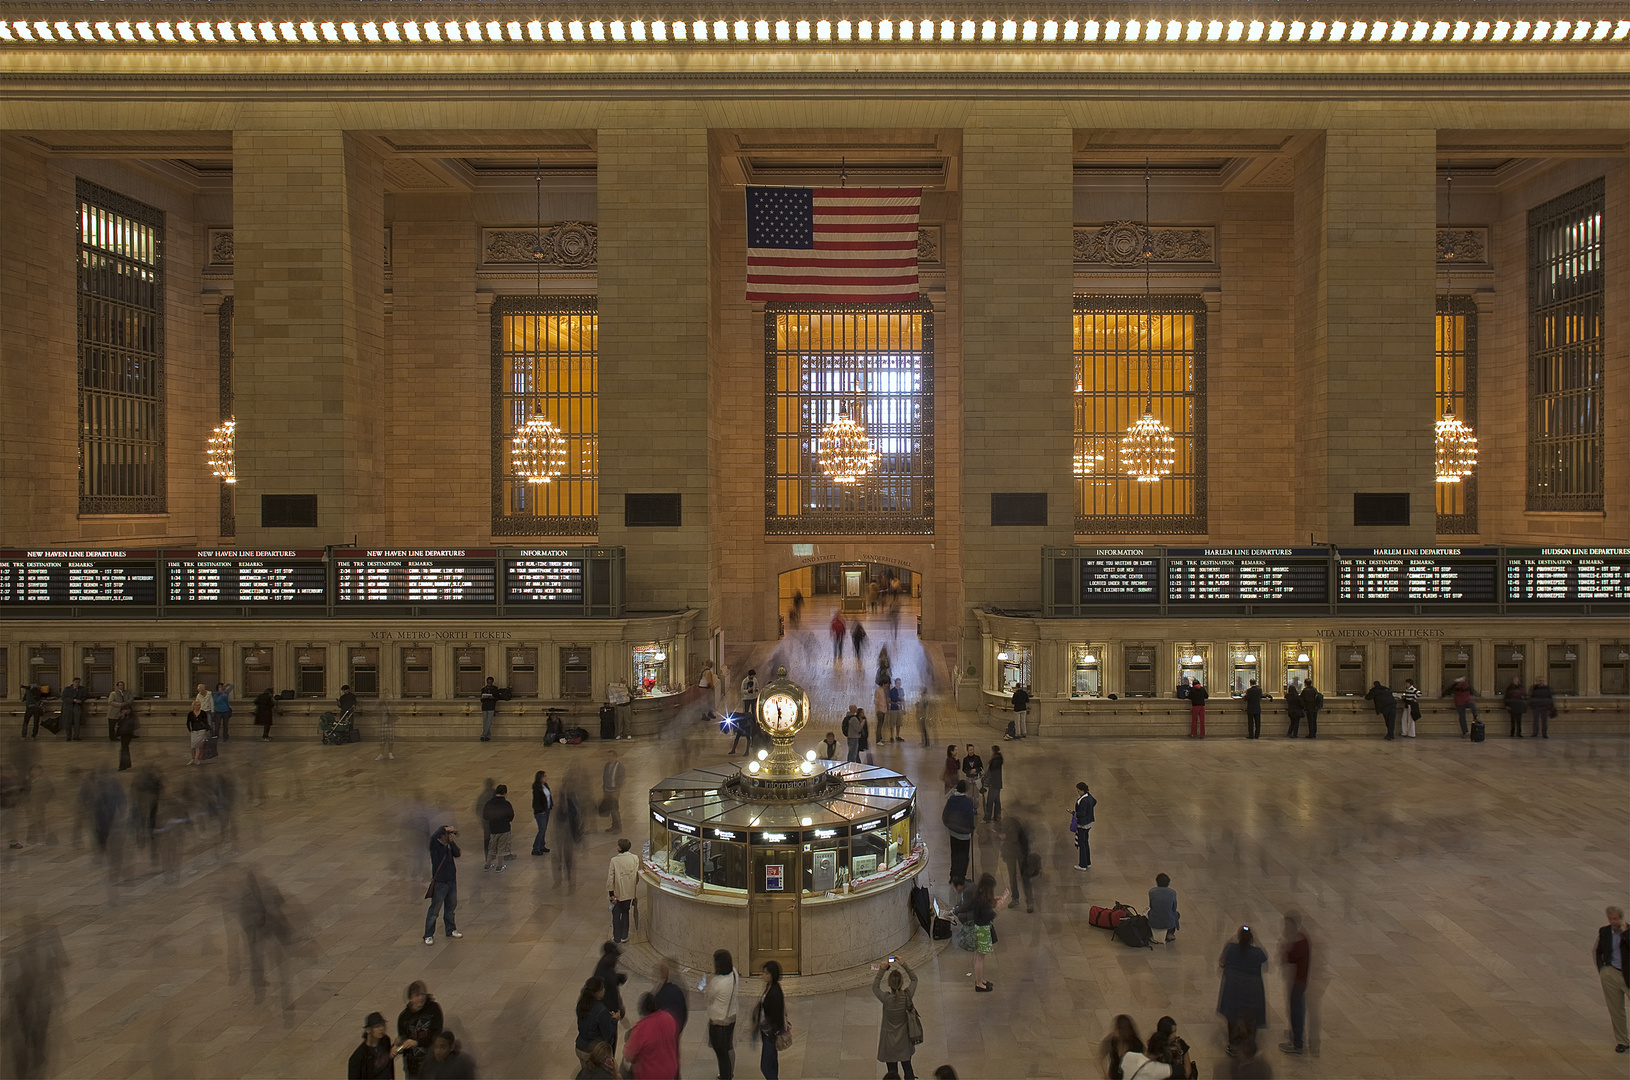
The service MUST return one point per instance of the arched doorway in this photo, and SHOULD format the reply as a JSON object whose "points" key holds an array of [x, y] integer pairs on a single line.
{"points": [[874, 590]]}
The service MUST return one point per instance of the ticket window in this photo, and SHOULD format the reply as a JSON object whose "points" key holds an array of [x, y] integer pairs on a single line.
{"points": [[364, 667], [98, 672], [1403, 665], [1562, 668], [469, 672], [311, 672], [203, 669], [1245, 667], [1140, 671], [650, 669], [153, 672], [257, 672], [45, 667], [1087, 671], [576, 674], [523, 673], [1012, 667], [415, 673], [1351, 677], [1298, 664], [1457, 665], [5, 671], [1615, 669], [1509, 663], [1193, 664]]}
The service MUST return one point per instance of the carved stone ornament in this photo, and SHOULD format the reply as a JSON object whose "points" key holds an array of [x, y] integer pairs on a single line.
{"points": [[220, 247], [1120, 243], [1461, 246], [564, 245], [928, 245]]}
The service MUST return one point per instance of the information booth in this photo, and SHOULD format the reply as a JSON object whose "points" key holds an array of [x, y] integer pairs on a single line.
{"points": [[786, 860]]}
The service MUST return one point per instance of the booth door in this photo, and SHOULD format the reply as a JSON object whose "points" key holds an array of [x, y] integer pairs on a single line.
{"points": [[852, 599], [772, 908]]}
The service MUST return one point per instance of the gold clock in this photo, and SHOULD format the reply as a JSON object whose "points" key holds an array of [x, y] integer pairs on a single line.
{"points": [[780, 713]]}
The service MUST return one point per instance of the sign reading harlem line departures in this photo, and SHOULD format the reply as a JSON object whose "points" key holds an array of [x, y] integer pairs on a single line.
{"points": [[1418, 575], [1247, 575]]}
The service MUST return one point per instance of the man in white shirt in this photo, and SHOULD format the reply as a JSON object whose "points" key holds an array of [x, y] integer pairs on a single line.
{"points": [[622, 877]]}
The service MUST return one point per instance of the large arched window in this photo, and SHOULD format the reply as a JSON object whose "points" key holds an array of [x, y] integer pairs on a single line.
{"points": [[545, 355], [1131, 351], [877, 365]]}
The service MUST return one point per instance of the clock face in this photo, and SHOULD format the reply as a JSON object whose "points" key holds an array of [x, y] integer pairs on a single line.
{"points": [[779, 712]]}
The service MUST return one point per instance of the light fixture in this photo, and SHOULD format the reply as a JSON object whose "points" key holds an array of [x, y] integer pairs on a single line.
{"points": [[1250, 658], [763, 754], [1088, 461], [1148, 450], [537, 451], [1196, 659], [806, 821], [221, 451], [1001, 656], [806, 767], [1456, 444], [1088, 658], [1301, 658], [752, 766], [844, 450], [809, 756]]}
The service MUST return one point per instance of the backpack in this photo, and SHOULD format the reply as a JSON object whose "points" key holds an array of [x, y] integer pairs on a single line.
{"points": [[921, 907], [1134, 932], [847, 720]]}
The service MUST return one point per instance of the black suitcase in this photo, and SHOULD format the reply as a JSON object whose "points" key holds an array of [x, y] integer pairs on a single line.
{"points": [[608, 727], [1477, 731]]}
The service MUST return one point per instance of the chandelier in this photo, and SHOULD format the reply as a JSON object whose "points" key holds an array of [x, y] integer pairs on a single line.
{"points": [[1456, 450], [1088, 463], [1148, 450], [844, 450], [221, 451], [537, 453], [1456, 443]]}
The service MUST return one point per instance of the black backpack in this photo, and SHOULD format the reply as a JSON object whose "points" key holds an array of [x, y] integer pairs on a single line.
{"points": [[1134, 932], [921, 907]]}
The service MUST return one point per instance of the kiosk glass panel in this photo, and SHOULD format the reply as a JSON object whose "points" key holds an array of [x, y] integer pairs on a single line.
{"points": [[576, 674], [1615, 669], [724, 864], [1012, 666], [1193, 664], [1403, 663], [651, 669], [1298, 662], [1562, 668], [311, 673], [257, 672], [153, 672], [1140, 671], [1457, 664], [416, 673], [469, 672], [45, 667], [98, 672], [1245, 664], [203, 667], [1510, 662], [1086, 671], [364, 666]]}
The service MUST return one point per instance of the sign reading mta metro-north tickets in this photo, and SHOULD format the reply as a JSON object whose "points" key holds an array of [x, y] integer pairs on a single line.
{"points": [[78, 577]]}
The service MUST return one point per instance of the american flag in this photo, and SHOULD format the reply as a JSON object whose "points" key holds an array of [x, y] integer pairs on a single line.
{"points": [[843, 245]]}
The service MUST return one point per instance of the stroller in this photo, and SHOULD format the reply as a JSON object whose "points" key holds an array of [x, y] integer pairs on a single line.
{"points": [[340, 729]]}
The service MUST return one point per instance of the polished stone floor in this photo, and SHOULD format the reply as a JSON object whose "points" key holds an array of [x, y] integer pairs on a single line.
{"points": [[1452, 891]]}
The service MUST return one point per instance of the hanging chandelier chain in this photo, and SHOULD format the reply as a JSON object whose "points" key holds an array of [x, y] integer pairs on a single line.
{"points": [[1148, 301]]}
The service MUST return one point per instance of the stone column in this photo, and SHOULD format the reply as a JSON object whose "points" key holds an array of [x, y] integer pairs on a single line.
{"points": [[1365, 291], [308, 282], [1017, 412], [653, 285]]}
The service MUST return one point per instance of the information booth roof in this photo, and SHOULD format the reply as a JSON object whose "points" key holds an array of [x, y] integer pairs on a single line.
{"points": [[701, 798]]}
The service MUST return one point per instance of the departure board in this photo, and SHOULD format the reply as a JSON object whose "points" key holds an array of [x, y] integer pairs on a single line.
{"points": [[1120, 576], [245, 577], [1247, 575], [444, 576], [546, 576], [1418, 575], [1567, 575], [78, 577]]}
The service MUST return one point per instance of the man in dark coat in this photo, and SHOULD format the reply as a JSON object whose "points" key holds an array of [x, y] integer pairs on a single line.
{"points": [[1385, 704], [961, 817], [1312, 702], [498, 813], [1253, 711]]}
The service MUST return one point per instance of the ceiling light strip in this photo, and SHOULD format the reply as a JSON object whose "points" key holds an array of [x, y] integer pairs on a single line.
{"points": [[1010, 32]]}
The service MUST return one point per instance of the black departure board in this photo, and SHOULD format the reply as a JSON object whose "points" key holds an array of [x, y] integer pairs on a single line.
{"points": [[1567, 575], [404, 576], [545, 576], [1120, 576], [78, 577], [1418, 575], [245, 577], [1247, 576]]}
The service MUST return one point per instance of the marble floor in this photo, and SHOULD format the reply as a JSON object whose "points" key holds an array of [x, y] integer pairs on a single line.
{"points": [[1452, 892]]}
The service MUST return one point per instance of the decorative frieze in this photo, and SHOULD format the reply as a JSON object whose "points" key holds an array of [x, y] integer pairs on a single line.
{"points": [[562, 245], [1463, 246], [220, 248], [1117, 245], [931, 246]]}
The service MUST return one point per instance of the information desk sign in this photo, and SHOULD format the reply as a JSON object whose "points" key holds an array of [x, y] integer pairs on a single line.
{"points": [[553, 576], [245, 577], [1418, 575], [1120, 575], [79, 577], [1567, 575], [1247, 575], [416, 576]]}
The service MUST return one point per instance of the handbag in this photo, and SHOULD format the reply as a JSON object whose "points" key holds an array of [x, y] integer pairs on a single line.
{"points": [[966, 937], [914, 1024], [783, 1038]]}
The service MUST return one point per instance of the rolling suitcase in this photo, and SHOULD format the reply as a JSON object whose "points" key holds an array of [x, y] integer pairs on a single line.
{"points": [[1477, 731], [211, 748]]}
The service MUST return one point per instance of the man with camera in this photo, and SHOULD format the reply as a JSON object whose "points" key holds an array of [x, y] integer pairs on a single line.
{"points": [[443, 891]]}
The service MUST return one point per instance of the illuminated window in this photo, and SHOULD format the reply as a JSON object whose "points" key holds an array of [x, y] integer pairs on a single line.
{"points": [[1457, 393], [1126, 356], [121, 355], [545, 354], [877, 364], [1565, 301]]}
